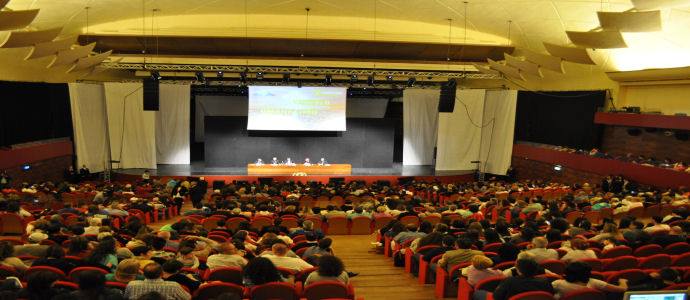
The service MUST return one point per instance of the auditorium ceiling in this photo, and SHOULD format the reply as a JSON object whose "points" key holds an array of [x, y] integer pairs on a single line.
{"points": [[214, 31]]}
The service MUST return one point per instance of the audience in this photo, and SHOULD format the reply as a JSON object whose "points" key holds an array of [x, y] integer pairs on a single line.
{"points": [[154, 283]]}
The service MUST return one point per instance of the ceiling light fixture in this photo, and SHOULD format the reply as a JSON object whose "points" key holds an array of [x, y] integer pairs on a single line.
{"points": [[200, 76], [411, 81], [259, 75]]}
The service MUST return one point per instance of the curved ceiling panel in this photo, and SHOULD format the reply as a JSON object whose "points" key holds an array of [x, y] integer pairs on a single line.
{"points": [[571, 54], [3, 3], [659, 4], [506, 70], [89, 61], [605, 39], [525, 66], [18, 39], [545, 61], [16, 19], [51, 48], [70, 56], [631, 21]]}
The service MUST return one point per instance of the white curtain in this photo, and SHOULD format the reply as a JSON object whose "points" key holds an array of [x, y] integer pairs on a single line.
{"points": [[132, 130], [459, 132], [172, 124], [89, 124], [497, 136], [420, 119]]}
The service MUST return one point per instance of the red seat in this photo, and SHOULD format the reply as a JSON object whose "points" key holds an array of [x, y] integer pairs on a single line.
{"points": [[572, 216], [381, 221], [634, 275], [11, 224], [302, 275], [360, 225], [410, 220], [682, 260], [677, 286], [274, 291], [234, 222], [260, 222], [648, 250], [35, 269], [432, 219], [505, 265], [553, 265], [289, 222], [224, 274], [7, 271], [535, 295], [620, 263], [677, 248], [493, 247], [424, 268], [74, 274], [584, 294], [66, 285], [409, 254], [212, 290], [116, 285], [328, 290], [657, 261], [593, 216], [337, 225], [445, 287], [616, 252], [465, 290]]}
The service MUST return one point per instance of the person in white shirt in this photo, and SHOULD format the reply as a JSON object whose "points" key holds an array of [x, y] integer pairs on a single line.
{"points": [[228, 257], [323, 162], [658, 225], [289, 162], [94, 226], [578, 277], [307, 162], [274, 161], [146, 175], [259, 162], [539, 251], [280, 260]]}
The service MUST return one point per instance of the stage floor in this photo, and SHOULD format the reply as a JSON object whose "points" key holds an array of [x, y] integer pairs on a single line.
{"points": [[199, 169]]}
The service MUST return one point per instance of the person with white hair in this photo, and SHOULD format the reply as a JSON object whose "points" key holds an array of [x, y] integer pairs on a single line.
{"points": [[94, 226], [539, 251]]}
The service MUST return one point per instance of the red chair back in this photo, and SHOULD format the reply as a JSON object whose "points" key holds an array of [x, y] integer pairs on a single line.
{"points": [[7, 271], [677, 248], [11, 224], [274, 291], [116, 285], [381, 221], [337, 225], [489, 284], [409, 220], [360, 225], [677, 286], [326, 290], [493, 247], [616, 252], [634, 275], [682, 260], [289, 222], [648, 250], [225, 274], [233, 223], [553, 265], [44, 268], [212, 290], [657, 261], [621, 263], [535, 295], [584, 294], [75, 273], [66, 285]]}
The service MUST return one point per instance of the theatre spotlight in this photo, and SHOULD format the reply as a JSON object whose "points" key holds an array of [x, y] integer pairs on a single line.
{"points": [[259, 75], [286, 77], [389, 78], [353, 78], [557, 168], [200, 76], [370, 80], [411, 81], [219, 75], [329, 80], [155, 75]]}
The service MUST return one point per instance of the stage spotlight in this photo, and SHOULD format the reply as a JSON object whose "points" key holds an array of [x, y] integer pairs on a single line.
{"points": [[200, 76], [155, 75], [353, 78], [286, 77], [557, 168], [329, 80], [370, 80], [389, 78], [259, 75], [411, 81], [219, 74]]}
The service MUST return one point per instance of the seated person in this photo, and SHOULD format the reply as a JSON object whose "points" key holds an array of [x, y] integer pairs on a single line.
{"points": [[259, 162], [657, 280], [307, 162], [525, 281], [538, 249], [577, 277], [323, 162], [274, 161], [331, 268], [289, 162], [480, 270], [171, 272], [462, 253]]}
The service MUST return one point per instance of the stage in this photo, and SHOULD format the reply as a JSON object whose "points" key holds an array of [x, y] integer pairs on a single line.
{"points": [[397, 170]]}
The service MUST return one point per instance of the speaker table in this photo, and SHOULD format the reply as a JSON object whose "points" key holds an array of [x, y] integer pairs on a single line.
{"points": [[333, 169]]}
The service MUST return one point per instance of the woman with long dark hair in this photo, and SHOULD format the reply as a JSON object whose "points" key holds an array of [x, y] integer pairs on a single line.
{"points": [[104, 254], [261, 270], [331, 268]]}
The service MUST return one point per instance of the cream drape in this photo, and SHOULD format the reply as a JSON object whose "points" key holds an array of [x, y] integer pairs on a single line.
{"points": [[420, 120]]}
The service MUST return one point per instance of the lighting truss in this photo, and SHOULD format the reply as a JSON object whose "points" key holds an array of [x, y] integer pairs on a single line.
{"points": [[294, 70]]}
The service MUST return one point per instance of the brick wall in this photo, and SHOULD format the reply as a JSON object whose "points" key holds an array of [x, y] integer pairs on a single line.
{"points": [[617, 141], [532, 169], [45, 170]]}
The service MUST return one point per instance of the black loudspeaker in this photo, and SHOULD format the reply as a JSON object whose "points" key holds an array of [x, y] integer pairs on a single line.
{"points": [[151, 94], [446, 101], [218, 184], [265, 180]]}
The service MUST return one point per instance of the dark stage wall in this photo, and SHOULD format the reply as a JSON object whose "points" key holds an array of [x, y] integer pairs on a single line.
{"points": [[367, 143]]}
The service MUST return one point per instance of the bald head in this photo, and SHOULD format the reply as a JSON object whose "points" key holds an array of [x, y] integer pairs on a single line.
{"points": [[164, 234], [228, 248], [540, 242], [279, 249]]}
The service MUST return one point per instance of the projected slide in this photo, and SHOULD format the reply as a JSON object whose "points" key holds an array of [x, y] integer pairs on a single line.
{"points": [[296, 109]]}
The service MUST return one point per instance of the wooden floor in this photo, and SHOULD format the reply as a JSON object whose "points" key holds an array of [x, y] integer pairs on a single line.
{"points": [[378, 278]]}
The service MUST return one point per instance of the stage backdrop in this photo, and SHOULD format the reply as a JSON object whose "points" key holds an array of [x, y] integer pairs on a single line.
{"points": [[367, 143]]}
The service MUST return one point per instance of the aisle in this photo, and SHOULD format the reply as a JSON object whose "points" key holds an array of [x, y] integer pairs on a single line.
{"points": [[378, 278]]}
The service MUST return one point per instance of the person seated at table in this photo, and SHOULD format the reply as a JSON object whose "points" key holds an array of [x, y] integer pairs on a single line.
{"points": [[323, 162], [307, 162], [289, 162], [259, 162], [274, 161]]}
